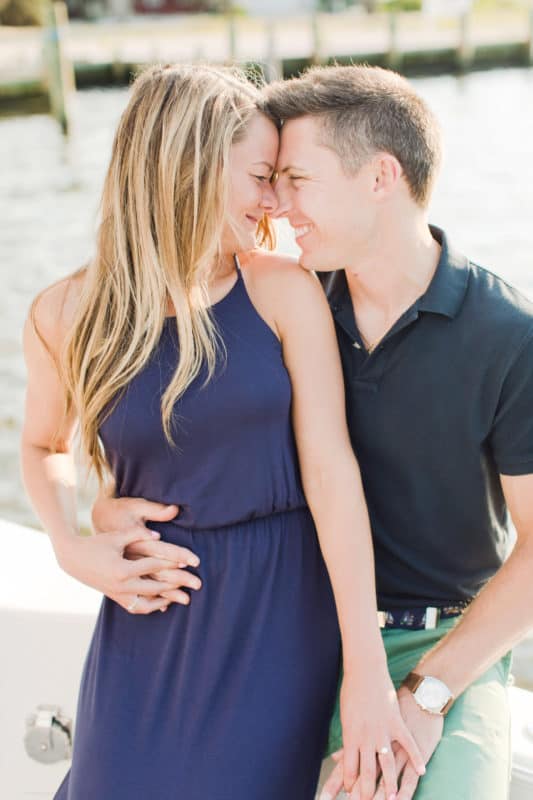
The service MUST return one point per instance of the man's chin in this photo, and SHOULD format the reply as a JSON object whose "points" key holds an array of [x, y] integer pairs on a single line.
{"points": [[315, 261]]}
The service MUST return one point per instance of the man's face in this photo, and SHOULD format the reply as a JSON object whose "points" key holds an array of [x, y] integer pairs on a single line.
{"points": [[332, 214]]}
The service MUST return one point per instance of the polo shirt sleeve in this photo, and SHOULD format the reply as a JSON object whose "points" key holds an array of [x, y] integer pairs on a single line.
{"points": [[512, 432]]}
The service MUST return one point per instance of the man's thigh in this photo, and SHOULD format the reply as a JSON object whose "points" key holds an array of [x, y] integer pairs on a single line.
{"points": [[473, 756]]}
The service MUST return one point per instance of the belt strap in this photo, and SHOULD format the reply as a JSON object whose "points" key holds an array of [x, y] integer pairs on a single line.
{"points": [[426, 618]]}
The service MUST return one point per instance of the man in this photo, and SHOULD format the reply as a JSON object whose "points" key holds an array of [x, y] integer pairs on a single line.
{"points": [[437, 356]]}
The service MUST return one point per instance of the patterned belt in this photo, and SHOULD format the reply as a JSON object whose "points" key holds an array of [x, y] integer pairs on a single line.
{"points": [[418, 618]]}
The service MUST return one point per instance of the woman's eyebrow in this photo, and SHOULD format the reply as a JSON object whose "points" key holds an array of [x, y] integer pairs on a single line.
{"points": [[270, 167]]}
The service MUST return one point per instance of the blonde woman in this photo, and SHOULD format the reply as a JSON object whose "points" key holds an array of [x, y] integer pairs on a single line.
{"points": [[182, 363]]}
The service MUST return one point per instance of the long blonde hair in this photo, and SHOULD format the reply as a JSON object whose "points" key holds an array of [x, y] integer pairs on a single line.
{"points": [[162, 214]]}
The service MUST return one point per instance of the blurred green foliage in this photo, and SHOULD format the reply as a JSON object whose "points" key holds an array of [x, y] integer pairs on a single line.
{"points": [[416, 5], [401, 5], [22, 12]]}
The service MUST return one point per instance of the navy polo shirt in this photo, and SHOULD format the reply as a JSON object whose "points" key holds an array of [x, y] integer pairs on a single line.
{"points": [[436, 412]]}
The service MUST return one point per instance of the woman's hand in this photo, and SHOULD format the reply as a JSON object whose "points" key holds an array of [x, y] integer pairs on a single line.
{"points": [[371, 723], [99, 562]]}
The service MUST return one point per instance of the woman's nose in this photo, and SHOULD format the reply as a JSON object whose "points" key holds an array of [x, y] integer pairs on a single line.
{"points": [[282, 204], [269, 202]]}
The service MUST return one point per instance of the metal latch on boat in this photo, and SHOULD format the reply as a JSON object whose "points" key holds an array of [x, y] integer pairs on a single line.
{"points": [[48, 735]]}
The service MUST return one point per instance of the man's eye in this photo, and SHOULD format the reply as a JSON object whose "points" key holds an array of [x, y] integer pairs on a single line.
{"points": [[296, 177]]}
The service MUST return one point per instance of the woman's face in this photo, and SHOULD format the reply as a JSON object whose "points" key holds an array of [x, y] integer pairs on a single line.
{"points": [[251, 195]]}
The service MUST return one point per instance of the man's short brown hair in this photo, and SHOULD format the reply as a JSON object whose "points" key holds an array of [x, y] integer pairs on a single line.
{"points": [[365, 110]]}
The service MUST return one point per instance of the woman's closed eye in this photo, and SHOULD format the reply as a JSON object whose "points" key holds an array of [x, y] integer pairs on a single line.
{"points": [[263, 178]]}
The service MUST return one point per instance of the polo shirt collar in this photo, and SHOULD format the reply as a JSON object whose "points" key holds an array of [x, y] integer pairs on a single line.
{"points": [[445, 293]]}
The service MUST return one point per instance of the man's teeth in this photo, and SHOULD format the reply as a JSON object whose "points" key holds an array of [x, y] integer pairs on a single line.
{"points": [[301, 230]]}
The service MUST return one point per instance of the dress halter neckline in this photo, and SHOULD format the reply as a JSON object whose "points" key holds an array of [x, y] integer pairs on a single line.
{"points": [[228, 293]]}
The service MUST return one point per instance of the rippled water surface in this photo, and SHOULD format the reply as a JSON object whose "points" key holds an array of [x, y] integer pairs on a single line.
{"points": [[49, 195]]}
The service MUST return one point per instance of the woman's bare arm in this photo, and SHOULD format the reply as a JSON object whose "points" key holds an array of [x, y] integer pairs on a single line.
{"points": [[293, 302], [49, 472]]}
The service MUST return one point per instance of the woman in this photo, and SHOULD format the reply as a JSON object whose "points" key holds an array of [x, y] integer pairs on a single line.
{"points": [[182, 363]]}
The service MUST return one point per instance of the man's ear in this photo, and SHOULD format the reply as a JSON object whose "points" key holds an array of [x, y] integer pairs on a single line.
{"points": [[387, 173]]}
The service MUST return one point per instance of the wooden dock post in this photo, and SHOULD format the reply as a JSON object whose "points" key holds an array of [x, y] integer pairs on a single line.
{"points": [[60, 71], [393, 53], [530, 43], [273, 65], [465, 51], [232, 34], [317, 54]]}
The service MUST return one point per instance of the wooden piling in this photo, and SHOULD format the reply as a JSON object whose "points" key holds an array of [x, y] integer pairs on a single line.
{"points": [[60, 71], [273, 65], [232, 35], [465, 51], [530, 42], [317, 47], [393, 52]]}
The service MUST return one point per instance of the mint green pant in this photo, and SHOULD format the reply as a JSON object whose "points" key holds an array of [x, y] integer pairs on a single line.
{"points": [[472, 761]]}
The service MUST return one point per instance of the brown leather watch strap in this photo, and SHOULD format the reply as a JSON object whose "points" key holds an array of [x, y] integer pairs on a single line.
{"points": [[412, 681], [447, 707]]}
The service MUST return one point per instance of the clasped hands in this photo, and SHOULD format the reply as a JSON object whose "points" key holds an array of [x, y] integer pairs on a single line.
{"points": [[129, 564], [361, 769]]}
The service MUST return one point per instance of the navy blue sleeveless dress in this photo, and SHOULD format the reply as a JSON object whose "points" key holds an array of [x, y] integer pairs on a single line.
{"points": [[228, 698]]}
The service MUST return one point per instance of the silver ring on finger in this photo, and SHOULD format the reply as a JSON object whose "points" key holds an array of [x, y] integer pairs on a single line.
{"points": [[133, 605], [384, 751]]}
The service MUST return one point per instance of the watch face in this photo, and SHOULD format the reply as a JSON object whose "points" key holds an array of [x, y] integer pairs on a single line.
{"points": [[432, 694]]}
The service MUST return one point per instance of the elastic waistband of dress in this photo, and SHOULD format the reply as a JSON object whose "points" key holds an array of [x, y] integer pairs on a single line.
{"points": [[240, 523]]}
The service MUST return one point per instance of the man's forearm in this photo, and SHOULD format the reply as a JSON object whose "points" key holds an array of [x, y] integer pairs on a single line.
{"points": [[499, 617]]}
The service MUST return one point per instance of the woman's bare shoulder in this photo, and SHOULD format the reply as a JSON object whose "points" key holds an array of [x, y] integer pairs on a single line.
{"points": [[283, 291], [53, 309], [269, 267]]}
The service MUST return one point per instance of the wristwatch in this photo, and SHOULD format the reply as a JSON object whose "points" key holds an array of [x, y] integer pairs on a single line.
{"points": [[431, 694]]}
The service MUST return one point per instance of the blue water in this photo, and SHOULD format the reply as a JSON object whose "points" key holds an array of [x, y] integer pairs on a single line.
{"points": [[49, 198]]}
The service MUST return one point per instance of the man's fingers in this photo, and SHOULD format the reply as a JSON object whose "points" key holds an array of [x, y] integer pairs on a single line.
{"points": [[147, 510], [389, 779], [334, 783], [337, 755], [409, 783]]}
